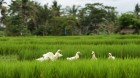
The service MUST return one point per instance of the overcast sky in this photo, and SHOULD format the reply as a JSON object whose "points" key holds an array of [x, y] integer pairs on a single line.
{"points": [[122, 5]]}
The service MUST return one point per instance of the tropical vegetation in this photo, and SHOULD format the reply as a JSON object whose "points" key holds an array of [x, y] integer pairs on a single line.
{"points": [[28, 17]]}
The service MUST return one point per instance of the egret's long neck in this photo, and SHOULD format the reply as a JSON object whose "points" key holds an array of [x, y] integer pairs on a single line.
{"points": [[93, 55], [57, 51], [56, 55], [77, 55]]}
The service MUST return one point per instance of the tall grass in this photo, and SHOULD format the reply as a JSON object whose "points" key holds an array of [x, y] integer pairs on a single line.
{"points": [[29, 48], [128, 68], [17, 55]]}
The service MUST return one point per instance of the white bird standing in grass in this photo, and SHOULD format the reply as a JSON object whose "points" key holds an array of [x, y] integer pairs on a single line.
{"points": [[56, 55], [93, 56], [74, 57], [110, 56], [50, 56]]}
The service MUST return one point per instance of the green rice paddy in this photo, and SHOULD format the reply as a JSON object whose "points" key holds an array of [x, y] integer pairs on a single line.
{"points": [[18, 54]]}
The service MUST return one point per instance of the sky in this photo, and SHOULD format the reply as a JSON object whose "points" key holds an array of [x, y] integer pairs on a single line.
{"points": [[121, 5]]}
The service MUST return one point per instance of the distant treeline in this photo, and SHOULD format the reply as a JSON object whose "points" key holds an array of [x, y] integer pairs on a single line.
{"points": [[27, 17]]}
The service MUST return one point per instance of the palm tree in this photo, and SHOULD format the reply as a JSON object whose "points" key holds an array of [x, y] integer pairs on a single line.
{"points": [[44, 15], [137, 9], [55, 8], [29, 14], [27, 11], [110, 13], [24, 8], [72, 10], [72, 15]]}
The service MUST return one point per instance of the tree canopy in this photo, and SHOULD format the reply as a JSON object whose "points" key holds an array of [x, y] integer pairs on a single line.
{"points": [[27, 17]]}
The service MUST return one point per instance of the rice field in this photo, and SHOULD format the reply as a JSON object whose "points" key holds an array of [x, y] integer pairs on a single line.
{"points": [[18, 54]]}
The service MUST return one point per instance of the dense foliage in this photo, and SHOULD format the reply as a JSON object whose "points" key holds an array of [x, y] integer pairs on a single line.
{"points": [[27, 17]]}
